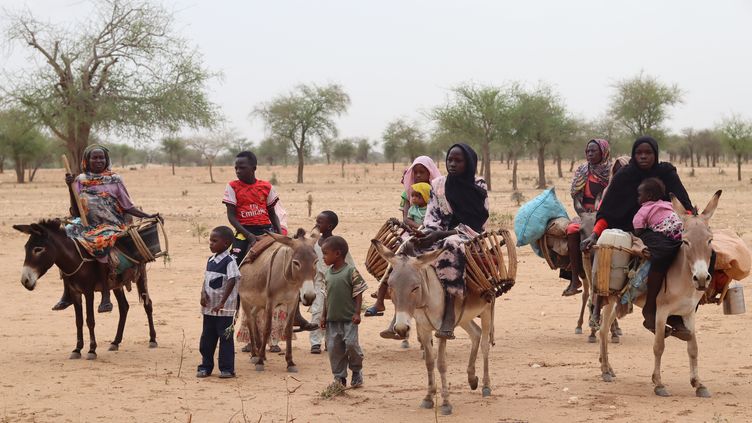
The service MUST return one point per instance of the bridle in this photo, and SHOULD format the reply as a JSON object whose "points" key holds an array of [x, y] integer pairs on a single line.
{"points": [[80, 265]]}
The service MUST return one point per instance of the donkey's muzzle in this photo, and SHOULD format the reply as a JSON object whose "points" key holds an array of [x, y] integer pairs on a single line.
{"points": [[701, 282], [29, 278]]}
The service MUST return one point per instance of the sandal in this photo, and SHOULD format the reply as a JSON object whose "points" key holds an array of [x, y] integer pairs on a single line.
{"points": [[371, 312], [571, 290], [316, 349], [388, 334]]}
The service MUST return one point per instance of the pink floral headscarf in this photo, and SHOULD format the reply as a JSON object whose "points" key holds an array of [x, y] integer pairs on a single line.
{"points": [[425, 161]]}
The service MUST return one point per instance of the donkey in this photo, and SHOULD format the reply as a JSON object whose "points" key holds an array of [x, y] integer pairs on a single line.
{"points": [[587, 223], [686, 282], [417, 294], [281, 275], [47, 245]]}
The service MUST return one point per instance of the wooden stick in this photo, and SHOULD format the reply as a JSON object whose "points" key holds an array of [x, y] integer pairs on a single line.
{"points": [[81, 212]]}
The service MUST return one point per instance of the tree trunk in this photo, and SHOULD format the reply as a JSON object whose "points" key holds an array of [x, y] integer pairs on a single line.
{"points": [[392, 165], [301, 158], [715, 159], [692, 156], [514, 172], [342, 169], [211, 174], [173, 167], [487, 163], [33, 173], [328, 158], [541, 167], [509, 159], [20, 168], [738, 167], [699, 159], [571, 166], [558, 166], [2, 164]]}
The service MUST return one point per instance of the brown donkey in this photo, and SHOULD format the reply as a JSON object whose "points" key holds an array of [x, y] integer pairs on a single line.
{"points": [[686, 281], [48, 245], [281, 275], [417, 294]]}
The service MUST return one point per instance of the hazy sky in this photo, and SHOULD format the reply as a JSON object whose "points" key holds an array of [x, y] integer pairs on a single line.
{"points": [[397, 58]]}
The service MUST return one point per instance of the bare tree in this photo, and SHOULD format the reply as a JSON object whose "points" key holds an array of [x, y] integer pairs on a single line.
{"points": [[209, 147]]}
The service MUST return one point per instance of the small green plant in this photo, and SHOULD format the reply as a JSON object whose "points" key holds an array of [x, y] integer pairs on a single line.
{"points": [[273, 180], [518, 197], [199, 230]]}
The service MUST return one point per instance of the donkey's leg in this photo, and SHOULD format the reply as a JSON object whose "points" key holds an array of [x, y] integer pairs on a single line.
{"points": [[614, 331], [268, 310], [291, 310], [607, 317], [89, 297], [123, 307], [473, 330], [585, 296], [486, 325], [659, 344], [143, 293], [77, 306], [446, 407], [700, 389], [425, 339], [616, 328]]}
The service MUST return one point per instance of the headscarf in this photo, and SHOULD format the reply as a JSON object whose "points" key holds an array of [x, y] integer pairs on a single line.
{"points": [[468, 200], [88, 178], [620, 204], [622, 161], [424, 189], [600, 170], [425, 161]]}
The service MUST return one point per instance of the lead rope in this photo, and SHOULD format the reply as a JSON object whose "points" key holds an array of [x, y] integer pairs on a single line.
{"points": [[424, 306], [80, 265]]}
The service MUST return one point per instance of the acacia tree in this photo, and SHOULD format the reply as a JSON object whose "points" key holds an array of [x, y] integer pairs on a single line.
{"points": [[304, 114], [121, 68], [479, 113], [272, 149], [737, 134], [326, 145], [402, 138], [343, 151], [641, 103], [362, 149], [542, 119], [209, 147], [21, 141], [174, 147]]}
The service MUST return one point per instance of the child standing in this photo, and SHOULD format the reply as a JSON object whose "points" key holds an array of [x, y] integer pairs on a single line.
{"points": [[656, 214], [219, 299], [341, 316], [419, 200], [326, 221]]}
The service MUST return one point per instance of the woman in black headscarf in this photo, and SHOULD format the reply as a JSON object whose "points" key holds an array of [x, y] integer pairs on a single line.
{"points": [[456, 213], [619, 207]]}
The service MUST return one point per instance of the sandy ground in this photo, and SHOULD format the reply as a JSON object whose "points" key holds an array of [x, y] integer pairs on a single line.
{"points": [[540, 370]]}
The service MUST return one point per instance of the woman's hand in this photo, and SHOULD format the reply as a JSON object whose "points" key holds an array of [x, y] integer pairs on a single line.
{"points": [[69, 179], [429, 239], [588, 242]]}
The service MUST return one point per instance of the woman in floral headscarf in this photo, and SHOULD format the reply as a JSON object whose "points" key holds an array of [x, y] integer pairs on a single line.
{"points": [[590, 181], [105, 203]]}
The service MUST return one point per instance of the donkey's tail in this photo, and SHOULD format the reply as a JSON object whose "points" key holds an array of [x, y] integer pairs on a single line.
{"points": [[493, 326]]}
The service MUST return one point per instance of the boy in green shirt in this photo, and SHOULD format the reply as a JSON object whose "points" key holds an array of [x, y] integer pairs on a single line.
{"points": [[341, 316]]}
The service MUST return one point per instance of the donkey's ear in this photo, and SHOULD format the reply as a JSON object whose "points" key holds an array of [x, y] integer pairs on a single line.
{"points": [[24, 228], [38, 229], [384, 252], [281, 239], [712, 205], [678, 207], [300, 233], [429, 258]]}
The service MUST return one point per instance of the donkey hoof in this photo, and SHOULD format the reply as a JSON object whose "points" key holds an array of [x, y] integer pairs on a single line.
{"points": [[75, 355], [618, 332], [473, 382], [427, 404], [153, 344], [607, 377], [254, 360], [113, 347], [615, 340], [591, 339], [486, 392], [91, 356], [702, 392], [661, 391], [445, 410], [578, 331], [292, 369], [259, 367]]}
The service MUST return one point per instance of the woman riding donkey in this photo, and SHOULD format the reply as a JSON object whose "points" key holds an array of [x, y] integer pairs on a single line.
{"points": [[457, 212], [105, 203], [590, 180], [618, 209]]}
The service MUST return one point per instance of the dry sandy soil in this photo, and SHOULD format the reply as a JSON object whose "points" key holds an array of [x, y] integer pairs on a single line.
{"points": [[540, 370]]}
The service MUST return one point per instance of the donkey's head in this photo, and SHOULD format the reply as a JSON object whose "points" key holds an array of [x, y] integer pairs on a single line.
{"points": [[697, 240], [303, 262], [587, 218], [407, 283], [41, 250]]}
